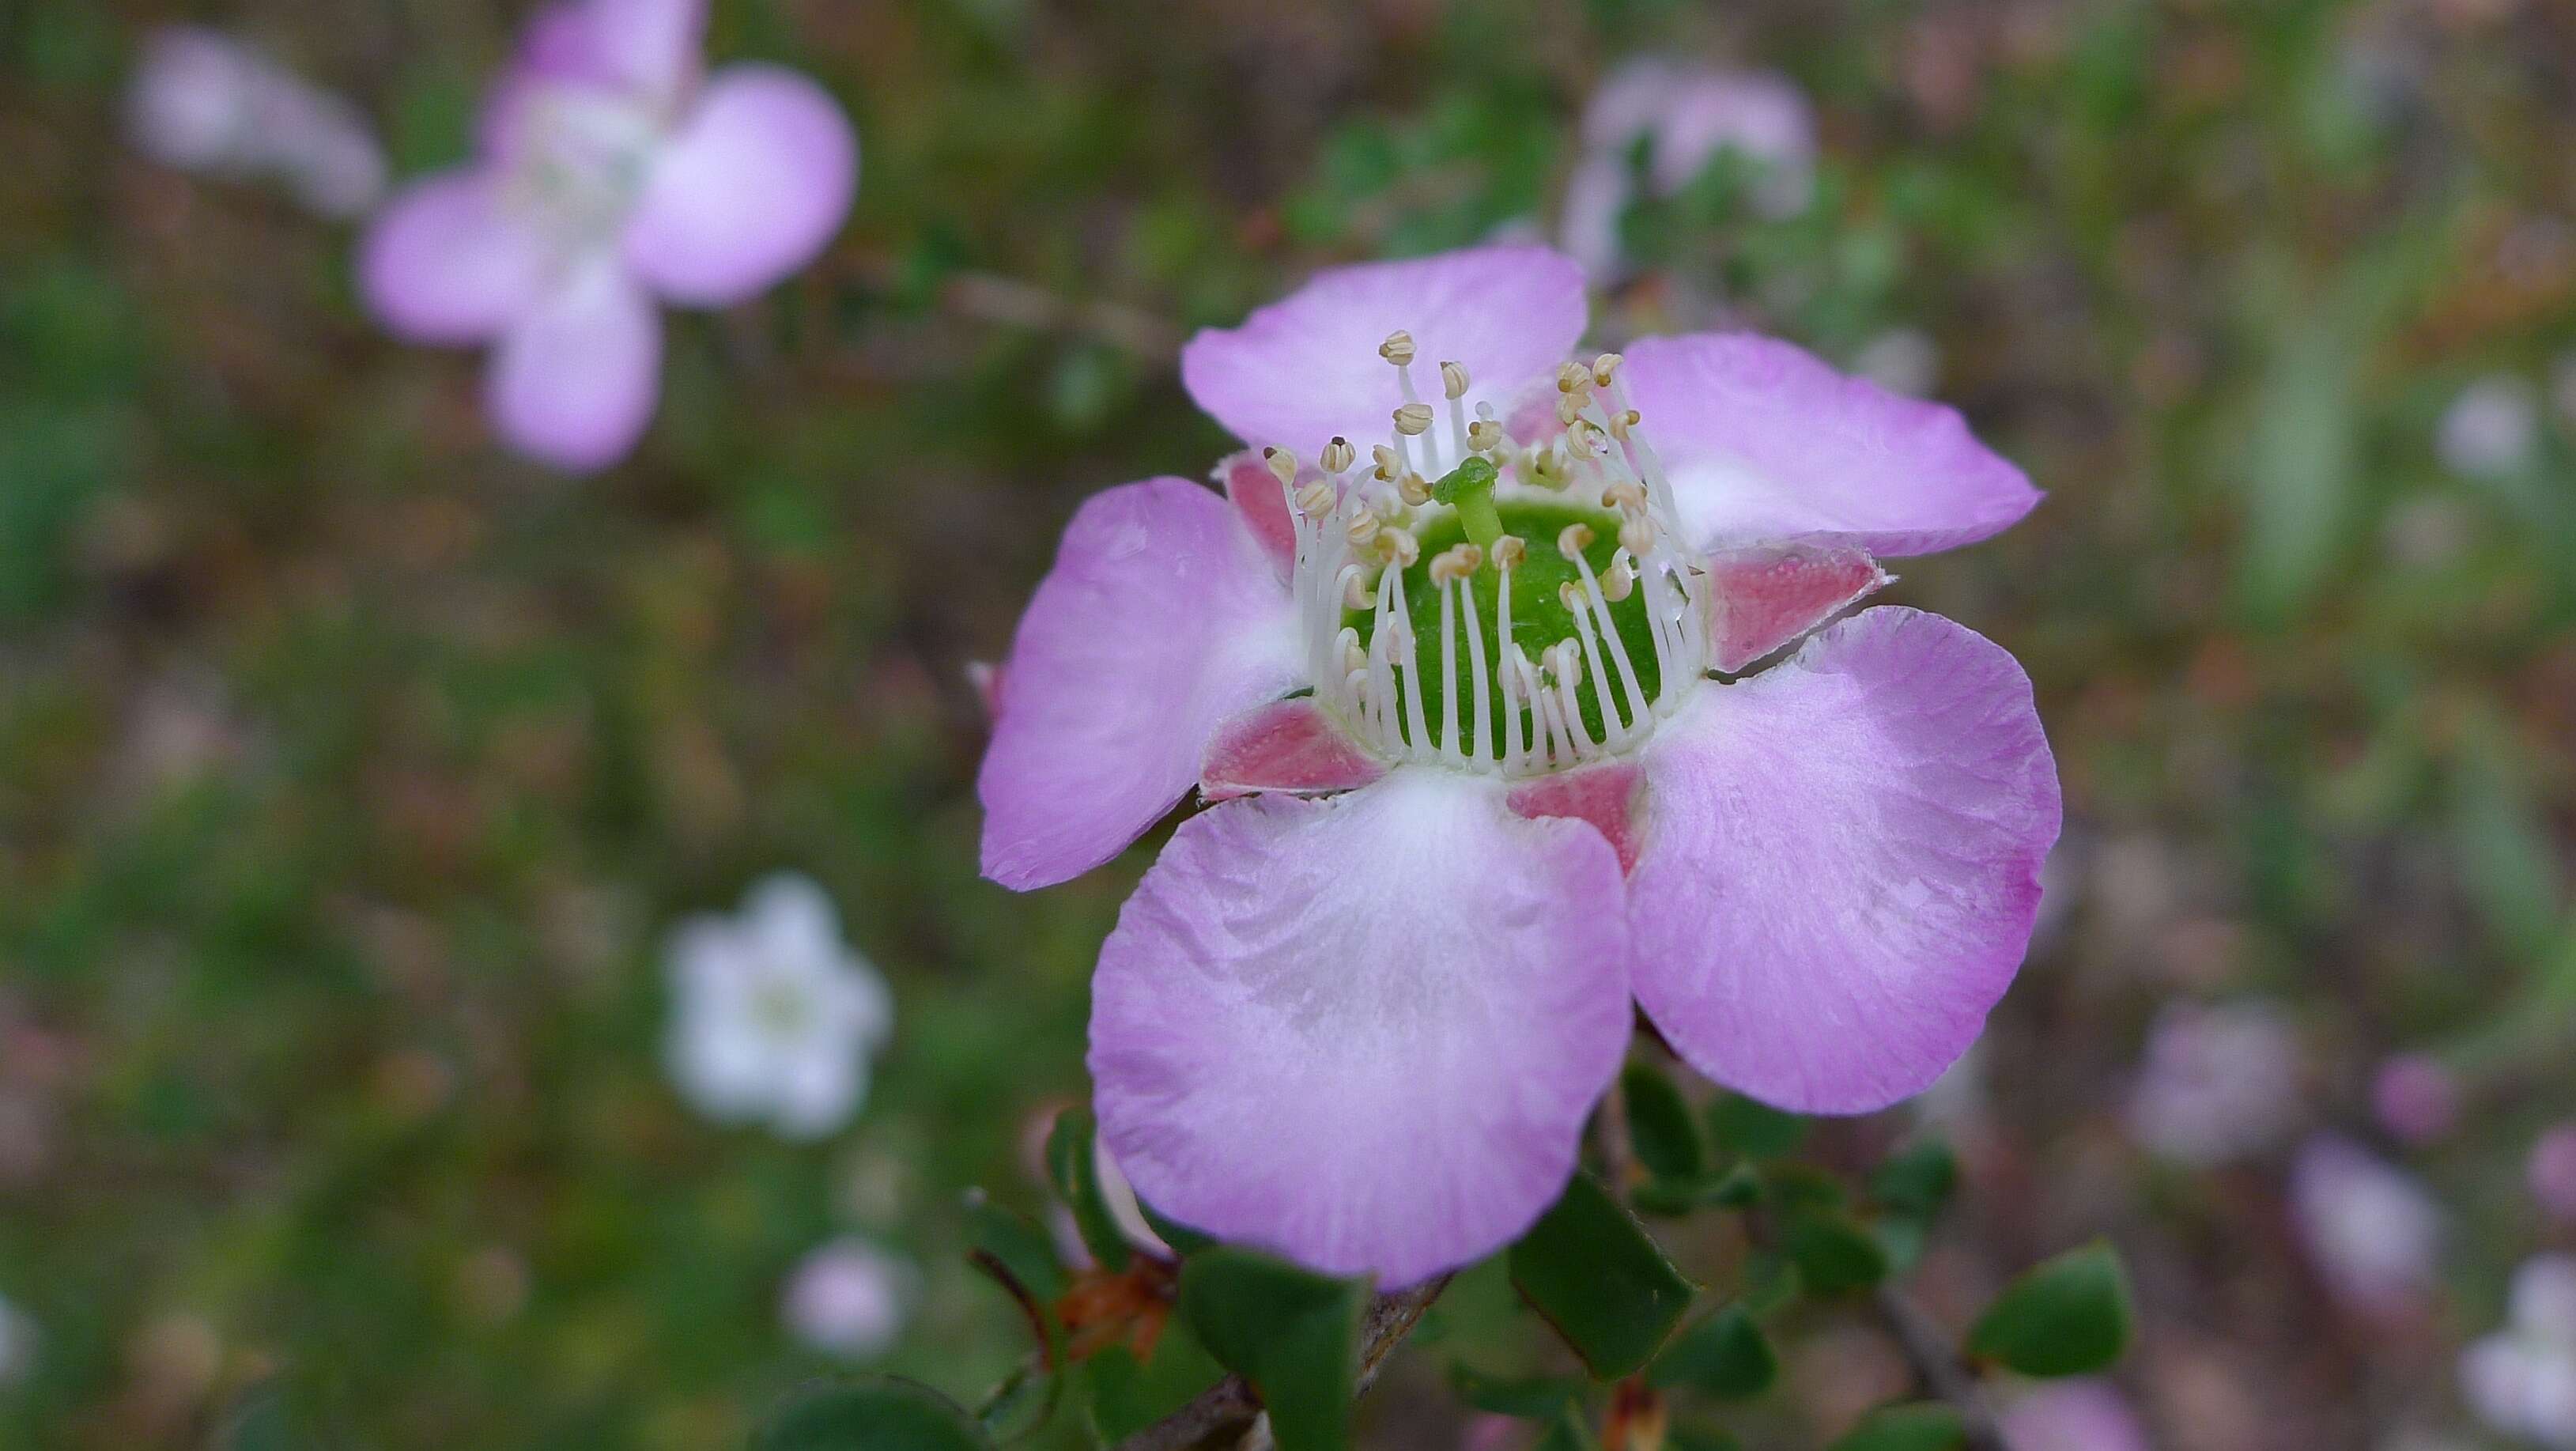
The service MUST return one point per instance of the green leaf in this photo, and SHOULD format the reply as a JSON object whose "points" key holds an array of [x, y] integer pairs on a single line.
{"points": [[1292, 1333], [1661, 1128], [1755, 1130], [2066, 1316], [1725, 1355], [1919, 1426], [262, 1420], [1916, 1181], [873, 1413], [1834, 1255], [1013, 1242], [1076, 1172], [1692, 1436], [1122, 1395], [1569, 1431], [1530, 1398], [1592, 1270]]}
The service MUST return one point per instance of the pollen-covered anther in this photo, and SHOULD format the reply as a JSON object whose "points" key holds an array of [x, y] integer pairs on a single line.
{"points": [[1453, 380], [1413, 419], [1398, 347], [1570, 595], [1573, 539], [1637, 536], [1283, 464], [1338, 455], [1400, 547], [1356, 594], [1484, 435], [1315, 500], [1456, 562], [1579, 434], [1573, 378], [1624, 496], [1388, 465], [1619, 582], [1569, 408], [1414, 489], [1509, 551], [1606, 367], [1362, 528], [1354, 654]]}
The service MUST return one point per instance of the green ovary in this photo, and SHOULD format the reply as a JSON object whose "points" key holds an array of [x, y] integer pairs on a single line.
{"points": [[1539, 620]]}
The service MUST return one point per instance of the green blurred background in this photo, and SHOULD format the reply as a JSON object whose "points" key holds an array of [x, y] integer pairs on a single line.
{"points": [[352, 771]]}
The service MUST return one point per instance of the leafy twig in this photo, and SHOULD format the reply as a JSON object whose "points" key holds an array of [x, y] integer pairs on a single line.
{"points": [[1229, 1407], [1929, 1351]]}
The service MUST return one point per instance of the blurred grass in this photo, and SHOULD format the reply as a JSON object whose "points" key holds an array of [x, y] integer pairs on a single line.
{"points": [[350, 770]]}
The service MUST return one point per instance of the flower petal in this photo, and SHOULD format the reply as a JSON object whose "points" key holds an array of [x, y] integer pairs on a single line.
{"points": [[1364, 1032], [647, 49], [1255, 490], [1603, 797], [1761, 598], [1764, 442], [573, 384], [752, 187], [1306, 368], [1286, 745], [1161, 618], [446, 262], [1840, 865]]}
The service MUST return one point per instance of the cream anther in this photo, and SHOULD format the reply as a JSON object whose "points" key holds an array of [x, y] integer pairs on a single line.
{"points": [[1457, 562], [1413, 419], [1398, 347], [1509, 551], [1362, 528], [1283, 464], [1414, 489], [1624, 496], [1315, 500], [1484, 435], [1388, 465], [1453, 379], [1573, 539], [1620, 582], [1637, 536], [1400, 547], [1337, 455], [1605, 367]]}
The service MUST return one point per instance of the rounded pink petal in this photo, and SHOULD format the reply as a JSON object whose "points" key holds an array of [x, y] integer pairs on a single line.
{"points": [[1765, 442], [1840, 863], [647, 49], [1306, 368], [446, 262], [1161, 618], [752, 187], [573, 384], [1365, 1031]]}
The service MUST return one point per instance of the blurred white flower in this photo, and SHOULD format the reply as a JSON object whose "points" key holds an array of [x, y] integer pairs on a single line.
{"points": [[2371, 1230], [774, 1017], [2073, 1415], [204, 102], [2492, 429], [2522, 1379], [1685, 115], [2218, 1083], [17, 1344], [849, 1299], [2551, 1172]]}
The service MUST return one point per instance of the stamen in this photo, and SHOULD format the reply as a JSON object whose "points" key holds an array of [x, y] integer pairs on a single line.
{"points": [[1398, 347], [1337, 455], [1283, 464], [1413, 419], [1448, 666], [1414, 489], [1573, 539]]}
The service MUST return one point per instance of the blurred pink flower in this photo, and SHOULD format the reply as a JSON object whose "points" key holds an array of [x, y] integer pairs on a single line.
{"points": [[2522, 1379], [2415, 1097], [2074, 1415], [773, 1016], [1360, 1009], [204, 102], [2551, 1172], [2491, 429], [610, 175], [2218, 1083], [849, 1299], [2371, 1231], [1684, 115]]}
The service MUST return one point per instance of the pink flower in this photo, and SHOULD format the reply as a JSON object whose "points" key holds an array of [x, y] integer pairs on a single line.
{"points": [[1475, 781], [610, 174], [2371, 1231], [1685, 116], [2521, 1380], [849, 1299], [2415, 1097], [204, 102], [2219, 1083], [2074, 1415], [2551, 1172]]}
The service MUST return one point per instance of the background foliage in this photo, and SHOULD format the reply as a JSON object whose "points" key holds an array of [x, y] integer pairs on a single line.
{"points": [[350, 771]]}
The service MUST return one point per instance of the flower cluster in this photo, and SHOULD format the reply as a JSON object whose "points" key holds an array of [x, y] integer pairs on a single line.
{"points": [[1459, 658]]}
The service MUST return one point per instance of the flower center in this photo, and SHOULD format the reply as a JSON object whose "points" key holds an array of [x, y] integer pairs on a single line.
{"points": [[1529, 611], [582, 156]]}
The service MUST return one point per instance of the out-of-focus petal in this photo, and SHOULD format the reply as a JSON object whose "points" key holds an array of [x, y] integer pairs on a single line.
{"points": [[752, 187], [645, 49], [1764, 442], [1365, 1031], [448, 262], [1840, 862], [1306, 368], [1161, 618], [574, 382]]}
